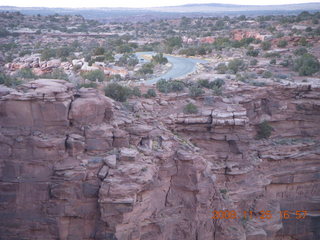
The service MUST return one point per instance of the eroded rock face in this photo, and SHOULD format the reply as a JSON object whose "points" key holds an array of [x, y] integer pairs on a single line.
{"points": [[277, 174], [76, 165]]}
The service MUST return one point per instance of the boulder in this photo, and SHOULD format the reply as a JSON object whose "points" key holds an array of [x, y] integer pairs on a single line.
{"points": [[90, 109], [128, 154], [103, 172], [111, 161]]}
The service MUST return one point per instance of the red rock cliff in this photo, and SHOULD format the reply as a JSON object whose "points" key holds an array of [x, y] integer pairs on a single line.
{"points": [[76, 165]]}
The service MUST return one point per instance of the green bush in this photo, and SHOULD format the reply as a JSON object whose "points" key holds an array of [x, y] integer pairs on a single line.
{"points": [[94, 75], [63, 52], [253, 52], [26, 73], [48, 53], [264, 130], [303, 42], [150, 93], [4, 32], [159, 59], [300, 51], [282, 43], [128, 59], [266, 45], [258, 84], [98, 58], [169, 86], [273, 61], [267, 74], [190, 109], [176, 86], [195, 91], [221, 68], [217, 83], [56, 74], [236, 65], [8, 81], [287, 62], [146, 68], [204, 83], [253, 62], [306, 65], [88, 85], [217, 90], [163, 86], [117, 92], [99, 51], [136, 92], [272, 55]]}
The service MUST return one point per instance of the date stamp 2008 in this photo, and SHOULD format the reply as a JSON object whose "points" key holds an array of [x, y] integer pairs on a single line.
{"points": [[263, 215]]}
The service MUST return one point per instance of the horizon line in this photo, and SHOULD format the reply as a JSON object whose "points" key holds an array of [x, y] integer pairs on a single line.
{"points": [[231, 4]]}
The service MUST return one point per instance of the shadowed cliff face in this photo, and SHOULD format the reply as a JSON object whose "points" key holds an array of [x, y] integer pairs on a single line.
{"points": [[76, 165]]}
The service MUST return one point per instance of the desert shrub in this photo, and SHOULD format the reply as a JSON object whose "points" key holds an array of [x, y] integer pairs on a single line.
{"points": [[303, 42], [273, 61], [26, 73], [266, 45], [63, 52], [124, 48], [117, 92], [195, 91], [48, 53], [98, 58], [24, 52], [188, 52], [272, 55], [146, 68], [128, 59], [190, 108], [236, 65], [9, 81], [281, 76], [176, 86], [300, 51], [217, 90], [267, 74], [169, 86], [264, 130], [56, 74], [88, 85], [150, 93], [253, 52], [201, 51], [163, 86], [94, 75], [4, 32], [257, 84], [217, 83], [282, 43], [99, 51], [221, 68], [136, 92], [306, 65], [253, 62], [159, 58], [204, 83]]}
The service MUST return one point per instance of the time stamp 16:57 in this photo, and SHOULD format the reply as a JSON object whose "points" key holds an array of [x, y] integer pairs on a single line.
{"points": [[286, 214]]}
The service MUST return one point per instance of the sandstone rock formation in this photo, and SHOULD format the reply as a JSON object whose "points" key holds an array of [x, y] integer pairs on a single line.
{"points": [[76, 165]]}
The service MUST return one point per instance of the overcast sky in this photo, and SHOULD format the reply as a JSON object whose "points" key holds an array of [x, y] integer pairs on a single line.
{"points": [[135, 3]]}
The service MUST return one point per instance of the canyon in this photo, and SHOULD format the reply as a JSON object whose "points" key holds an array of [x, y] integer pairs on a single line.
{"points": [[75, 164]]}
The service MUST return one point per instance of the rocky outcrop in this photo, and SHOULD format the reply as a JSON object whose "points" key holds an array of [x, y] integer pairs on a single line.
{"points": [[76, 165], [276, 174]]}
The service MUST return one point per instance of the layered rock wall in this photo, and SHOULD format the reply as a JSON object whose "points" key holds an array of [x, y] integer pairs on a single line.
{"points": [[276, 174], [76, 165]]}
